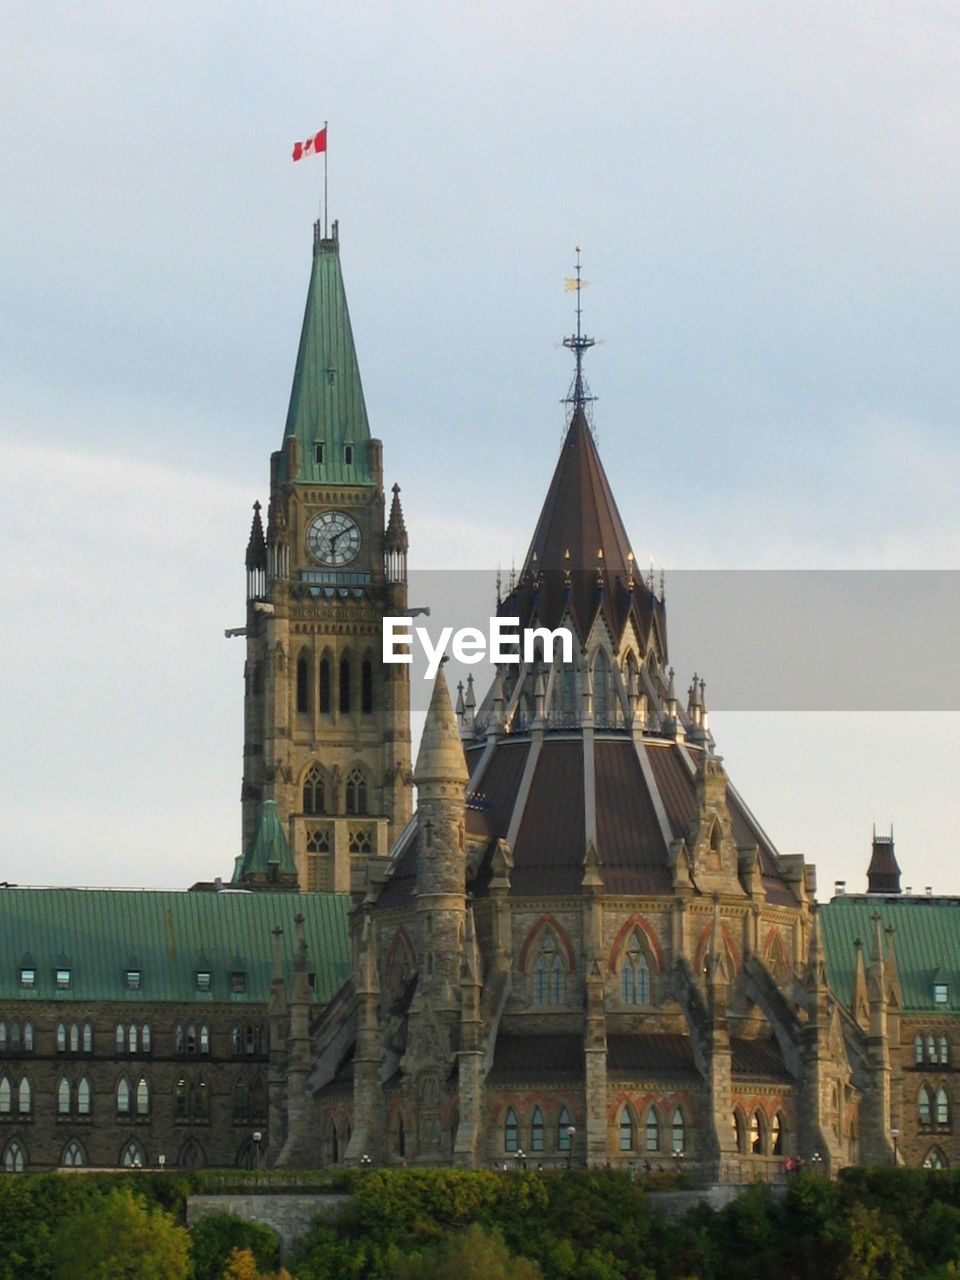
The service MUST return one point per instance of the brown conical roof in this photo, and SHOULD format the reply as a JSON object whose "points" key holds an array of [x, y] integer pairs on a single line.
{"points": [[440, 758]]}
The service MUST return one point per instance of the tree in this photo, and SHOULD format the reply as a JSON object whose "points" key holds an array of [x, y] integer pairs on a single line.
{"points": [[242, 1265], [474, 1254], [119, 1238], [216, 1235]]}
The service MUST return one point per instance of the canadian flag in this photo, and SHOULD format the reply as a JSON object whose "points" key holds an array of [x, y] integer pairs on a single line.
{"points": [[317, 143]]}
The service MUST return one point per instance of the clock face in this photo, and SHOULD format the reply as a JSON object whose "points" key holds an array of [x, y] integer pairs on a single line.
{"points": [[333, 538]]}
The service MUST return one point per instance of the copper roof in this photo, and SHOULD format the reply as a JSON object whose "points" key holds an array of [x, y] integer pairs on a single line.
{"points": [[758, 1058], [633, 854], [548, 856], [650, 1054], [537, 1057]]}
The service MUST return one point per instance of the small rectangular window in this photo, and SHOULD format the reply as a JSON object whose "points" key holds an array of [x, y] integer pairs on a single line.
{"points": [[238, 983], [133, 979], [62, 979], [318, 451], [204, 980], [941, 993], [348, 454], [28, 977]]}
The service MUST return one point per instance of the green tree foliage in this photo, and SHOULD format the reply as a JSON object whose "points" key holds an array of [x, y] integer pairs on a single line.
{"points": [[118, 1237], [474, 1254], [216, 1235]]}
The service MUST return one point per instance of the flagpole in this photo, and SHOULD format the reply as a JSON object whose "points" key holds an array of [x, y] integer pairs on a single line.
{"points": [[326, 152]]}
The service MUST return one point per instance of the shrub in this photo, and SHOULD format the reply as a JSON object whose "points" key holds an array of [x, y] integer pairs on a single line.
{"points": [[216, 1235]]}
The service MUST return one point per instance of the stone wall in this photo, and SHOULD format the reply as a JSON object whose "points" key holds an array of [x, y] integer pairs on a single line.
{"points": [[290, 1215]]}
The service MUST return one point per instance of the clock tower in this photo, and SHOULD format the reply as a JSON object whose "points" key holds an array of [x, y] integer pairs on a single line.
{"points": [[326, 759]]}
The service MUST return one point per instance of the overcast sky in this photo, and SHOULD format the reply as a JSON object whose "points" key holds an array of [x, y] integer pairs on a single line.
{"points": [[767, 199]]}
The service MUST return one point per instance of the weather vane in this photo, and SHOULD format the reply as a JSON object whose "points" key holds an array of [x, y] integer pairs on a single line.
{"points": [[579, 394]]}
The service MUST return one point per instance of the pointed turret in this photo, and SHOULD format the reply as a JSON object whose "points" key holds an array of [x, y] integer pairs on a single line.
{"points": [[396, 544], [440, 758], [327, 437], [256, 558], [267, 861]]}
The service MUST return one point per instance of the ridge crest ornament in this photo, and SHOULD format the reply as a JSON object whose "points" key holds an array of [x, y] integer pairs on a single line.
{"points": [[333, 539]]}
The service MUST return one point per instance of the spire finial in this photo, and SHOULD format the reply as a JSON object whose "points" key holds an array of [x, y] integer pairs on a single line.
{"points": [[579, 394]]}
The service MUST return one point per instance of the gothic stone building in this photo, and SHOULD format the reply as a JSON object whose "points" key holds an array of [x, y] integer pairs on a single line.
{"points": [[581, 948]]}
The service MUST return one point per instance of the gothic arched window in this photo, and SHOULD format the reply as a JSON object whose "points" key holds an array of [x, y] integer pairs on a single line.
{"points": [[944, 1050], [635, 975], [537, 1132], [240, 1102], [143, 1097], [123, 1097], [678, 1134], [511, 1131], [88, 1037], [931, 1049], [626, 1129], [918, 1049], [564, 1125], [325, 685], [756, 1134], [83, 1097], [652, 1131], [258, 1100], [204, 1039], [201, 1101], [73, 1156], [935, 1159], [6, 1096], [739, 1135], [63, 1097], [313, 797], [132, 1037], [303, 683], [145, 1037], [344, 686], [549, 974], [924, 1113], [356, 791], [776, 1136], [25, 1099], [943, 1107], [14, 1161], [133, 1156], [366, 687]]}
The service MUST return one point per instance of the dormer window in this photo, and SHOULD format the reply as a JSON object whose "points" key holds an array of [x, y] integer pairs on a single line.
{"points": [[348, 455], [238, 982], [28, 978], [941, 993], [133, 979], [204, 980], [62, 979], [319, 448]]}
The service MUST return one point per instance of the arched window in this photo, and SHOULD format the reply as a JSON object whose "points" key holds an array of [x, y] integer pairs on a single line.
{"points": [[325, 686], [178, 1039], [28, 1037], [931, 1049], [249, 1039], [756, 1134], [133, 1156], [313, 797], [235, 1039], [88, 1037], [63, 1097], [83, 1097], [935, 1159], [204, 1039], [191, 1039], [918, 1048], [568, 693], [635, 974], [537, 1133], [123, 1097], [3, 1037], [739, 1137], [240, 1102], [564, 1125], [511, 1131], [73, 1156], [15, 1036], [61, 1038], [181, 1099], [943, 1107], [601, 689], [132, 1038], [652, 1131], [776, 1136], [25, 1099], [145, 1037], [6, 1096], [120, 1038], [201, 1101], [626, 1129], [944, 1051], [303, 683], [678, 1134], [14, 1161], [344, 686], [356, 791], [366, 687], [74, 1038], [924, 1113], [258, 1100], [143, 1097], [549, 974]]}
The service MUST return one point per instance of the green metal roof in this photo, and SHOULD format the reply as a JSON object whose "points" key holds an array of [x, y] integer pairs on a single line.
{"points": [[326, 402], [268, 848], [99, 934], [926, 941]]}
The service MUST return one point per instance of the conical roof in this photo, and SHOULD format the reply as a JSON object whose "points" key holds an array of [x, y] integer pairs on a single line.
{"points": [[326, 401], [268, 853], [440, 758]]}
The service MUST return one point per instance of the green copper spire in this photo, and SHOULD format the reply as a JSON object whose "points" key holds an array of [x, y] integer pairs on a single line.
{"points": [[268, 858], [327, 415]]}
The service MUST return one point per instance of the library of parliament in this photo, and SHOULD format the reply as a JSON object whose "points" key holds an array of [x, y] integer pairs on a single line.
{"points": [[578, 948]]}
